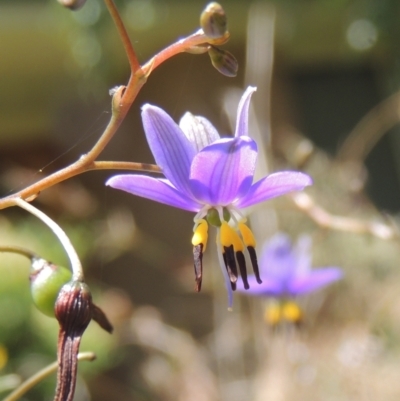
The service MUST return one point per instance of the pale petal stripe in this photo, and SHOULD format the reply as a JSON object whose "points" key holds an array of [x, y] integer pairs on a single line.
{"points": [[171, 149]]}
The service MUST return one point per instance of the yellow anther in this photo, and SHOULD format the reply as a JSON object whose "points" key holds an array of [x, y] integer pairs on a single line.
{"points": [[273, 314], [230, 237], [292, 312], [200, 235], [247, 235]]}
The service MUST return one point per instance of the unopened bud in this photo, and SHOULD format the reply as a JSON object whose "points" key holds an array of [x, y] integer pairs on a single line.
{"points": [[73, 311], [213, 21], [223, 61], [73, 307], [72, 4]]}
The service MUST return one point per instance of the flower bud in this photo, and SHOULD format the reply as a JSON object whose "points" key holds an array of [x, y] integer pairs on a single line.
{"points": [[213, 21], [72, 4], [46, 281], [223, 61], [73, 307], [73, 311]]}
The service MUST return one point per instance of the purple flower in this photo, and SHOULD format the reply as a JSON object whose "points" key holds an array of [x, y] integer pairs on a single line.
{"points": [[286, 269], [212, 176]]}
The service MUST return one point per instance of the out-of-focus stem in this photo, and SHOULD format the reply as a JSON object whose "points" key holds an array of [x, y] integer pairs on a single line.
{"points": [[41, 375], [18, 250], [324, 219]]}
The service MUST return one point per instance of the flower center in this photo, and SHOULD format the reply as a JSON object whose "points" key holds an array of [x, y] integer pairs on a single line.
{"points": [[231, 243]]}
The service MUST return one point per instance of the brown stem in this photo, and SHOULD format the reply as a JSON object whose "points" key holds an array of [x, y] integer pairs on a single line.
{"points": [[106, 165], [123, 34], [122, 100], [68, 348], [77, 168]]}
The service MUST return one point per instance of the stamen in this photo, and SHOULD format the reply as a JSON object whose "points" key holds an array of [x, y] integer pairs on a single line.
{"points": [[250, 242], [198, 265], [224, 272], [230, 263], [292, 312], [273, 314], [242, 267], [232, 244], [199, 216], [254, 263], [199, 242]]}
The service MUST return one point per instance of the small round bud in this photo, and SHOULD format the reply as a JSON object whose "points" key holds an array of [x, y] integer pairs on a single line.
{"points": [[46, 281], [223, 61], [72, 4], [213, 21]]}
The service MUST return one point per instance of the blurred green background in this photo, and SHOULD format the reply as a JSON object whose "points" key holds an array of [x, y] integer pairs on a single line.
{"points": [[320, 67]]}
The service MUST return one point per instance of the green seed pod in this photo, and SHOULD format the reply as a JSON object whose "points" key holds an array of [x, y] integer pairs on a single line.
{"points": [[46, 281], [213, 21], [72, 4], [214, 219], [223, 61]]}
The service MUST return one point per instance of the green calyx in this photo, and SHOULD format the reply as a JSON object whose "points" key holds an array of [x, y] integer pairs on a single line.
{"points": [[214, 219], [46, 282]]}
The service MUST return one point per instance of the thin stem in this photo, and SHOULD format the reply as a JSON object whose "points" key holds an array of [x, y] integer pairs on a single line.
{"points": [[130, 52], [76, 266], [106, 165], [181, 46], [71, 171], [121, 102], [41, 375], [20, 251]]}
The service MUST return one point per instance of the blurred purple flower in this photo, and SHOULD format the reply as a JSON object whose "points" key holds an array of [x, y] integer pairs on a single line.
{"points": [[286, 270], [212, 176]]}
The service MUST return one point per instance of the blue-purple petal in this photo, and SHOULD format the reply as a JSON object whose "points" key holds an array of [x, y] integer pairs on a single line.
{"points": [[277, 260], [155, 189], [303, 255], [242, 119], [314, 280], [268, 287], [171, 149], [223, 171], [274, 185]]}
